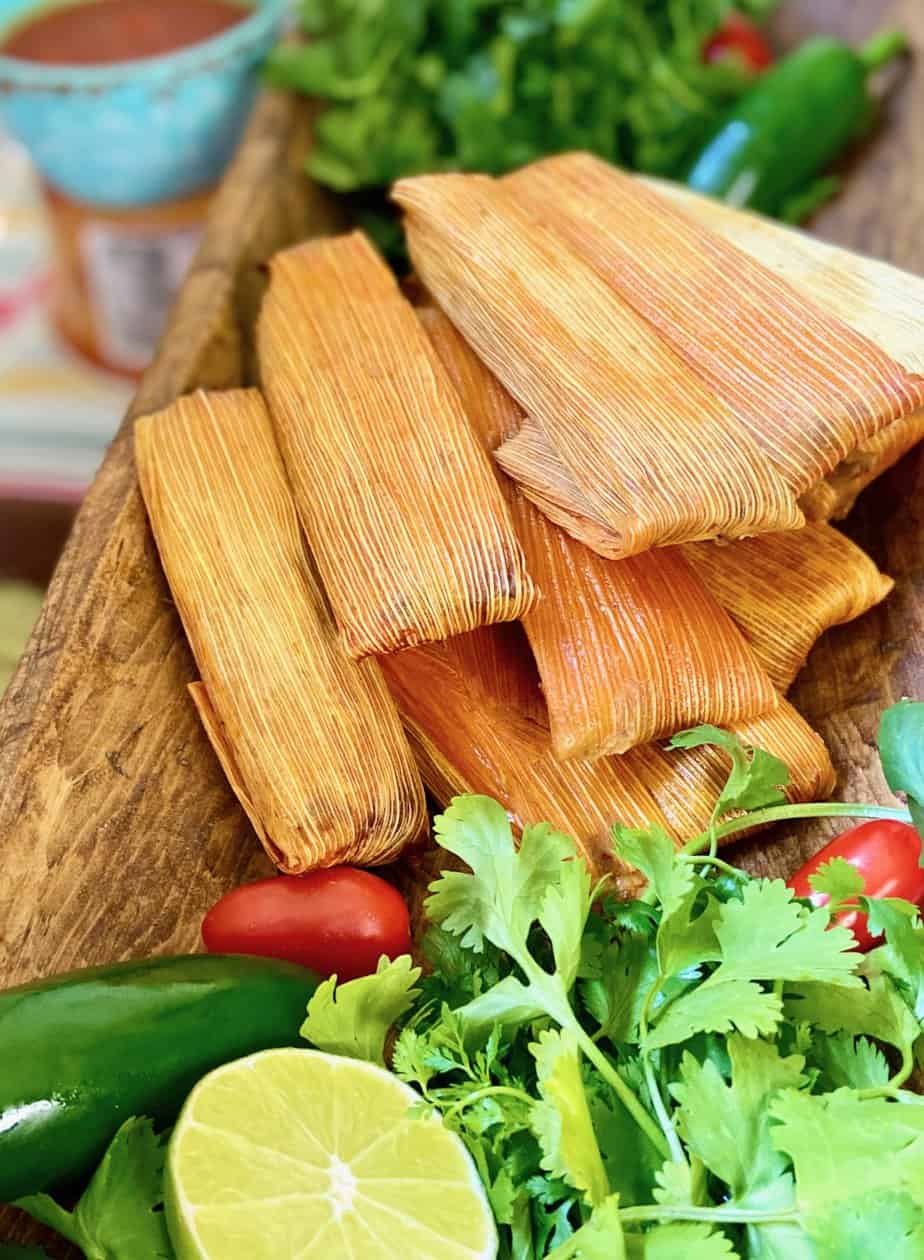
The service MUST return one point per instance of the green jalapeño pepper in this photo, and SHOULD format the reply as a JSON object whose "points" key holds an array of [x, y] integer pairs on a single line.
{"points": [[83, 1052], [798, 117]]}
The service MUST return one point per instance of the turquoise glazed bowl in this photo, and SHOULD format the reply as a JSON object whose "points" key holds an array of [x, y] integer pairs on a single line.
{"points": [[136, 133]]}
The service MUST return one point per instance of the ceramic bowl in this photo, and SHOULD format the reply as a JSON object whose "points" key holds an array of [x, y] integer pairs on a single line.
{"points": [[137, 132]]}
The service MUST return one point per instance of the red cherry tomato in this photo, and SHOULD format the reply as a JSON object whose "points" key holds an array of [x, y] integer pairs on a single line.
{"points": [[338, 921], [739, 39], [887, 854]]}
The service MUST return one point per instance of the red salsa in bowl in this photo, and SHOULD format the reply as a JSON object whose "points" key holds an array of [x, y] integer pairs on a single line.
{"points": [[103, 32]]}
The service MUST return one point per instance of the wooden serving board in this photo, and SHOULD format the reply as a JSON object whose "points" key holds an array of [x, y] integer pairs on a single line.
{"points": [[117, 828]]}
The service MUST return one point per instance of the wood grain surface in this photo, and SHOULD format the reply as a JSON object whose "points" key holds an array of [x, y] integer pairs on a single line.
{"points": [[117, 829]]}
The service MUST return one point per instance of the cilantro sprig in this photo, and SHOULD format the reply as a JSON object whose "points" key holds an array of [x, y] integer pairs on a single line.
{"points": [[711, 1072], [672, 1076]]}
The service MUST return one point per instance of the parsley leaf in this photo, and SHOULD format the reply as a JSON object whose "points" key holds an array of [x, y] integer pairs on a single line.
{"points": [[561, 1119], [354, 1018], [901, 751], [119, 1216], [838, 879], [602, 1238], [756, 779]]}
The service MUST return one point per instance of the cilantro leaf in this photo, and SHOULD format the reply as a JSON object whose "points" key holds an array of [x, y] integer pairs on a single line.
{"points": [[564, 908], [653, 852], [674, 1186], [692, 1241], [756, 778], [615, 1000], [502, 896], [838, 879], [901, 751], [630, 1159], [9, 1251], [843, 1146], [727, 1125], [767, 935], [844, 1060], [764, 936], [561, 1119], [602, 1238], [687, 935], [878, 1223], [354, 1018], [874, 1010], [737, 1004], [902, 956], [119, 1216], [508, 1002]]}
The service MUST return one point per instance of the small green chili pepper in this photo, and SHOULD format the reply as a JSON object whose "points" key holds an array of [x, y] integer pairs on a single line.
{"points": [[81, 1053], [792, 123]]}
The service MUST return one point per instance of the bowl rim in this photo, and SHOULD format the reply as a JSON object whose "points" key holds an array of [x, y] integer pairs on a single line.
{"points": [[19, 74]]}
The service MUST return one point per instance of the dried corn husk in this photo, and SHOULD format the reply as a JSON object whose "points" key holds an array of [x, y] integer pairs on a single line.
{"points": [[627, 650], [410, 532], [785, 590], [630, 421], [529, 459], [466, 740], [878, 300], [309, 739], [807, 387]]}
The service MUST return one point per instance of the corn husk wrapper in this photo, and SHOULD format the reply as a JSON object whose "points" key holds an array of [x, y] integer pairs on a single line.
{"points": [[807, 387], [627, 650], [309, 739], [467, 740], [785, 590], [876, 299], [410, 532], [632, 423]]}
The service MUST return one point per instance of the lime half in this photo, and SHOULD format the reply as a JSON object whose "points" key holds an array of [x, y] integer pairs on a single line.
{"points": [[294, 1154]]}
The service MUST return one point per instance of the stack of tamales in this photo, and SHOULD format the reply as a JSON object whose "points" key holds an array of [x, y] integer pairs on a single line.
{"points": [[609, 417]]}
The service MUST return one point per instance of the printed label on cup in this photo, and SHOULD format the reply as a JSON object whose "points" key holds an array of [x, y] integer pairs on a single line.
{"points": [[133, 277]]}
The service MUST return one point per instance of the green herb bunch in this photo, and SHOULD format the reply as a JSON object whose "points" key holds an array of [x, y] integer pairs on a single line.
{"points": [[710, 1072], [489, 85]]}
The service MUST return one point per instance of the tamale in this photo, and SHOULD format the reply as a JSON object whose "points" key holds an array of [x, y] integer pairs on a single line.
{"points": [[310, 740], [784, 590], [878, 300], [467, 740], [658, 456], [807, 387], [409, 530], [627, 650]]}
